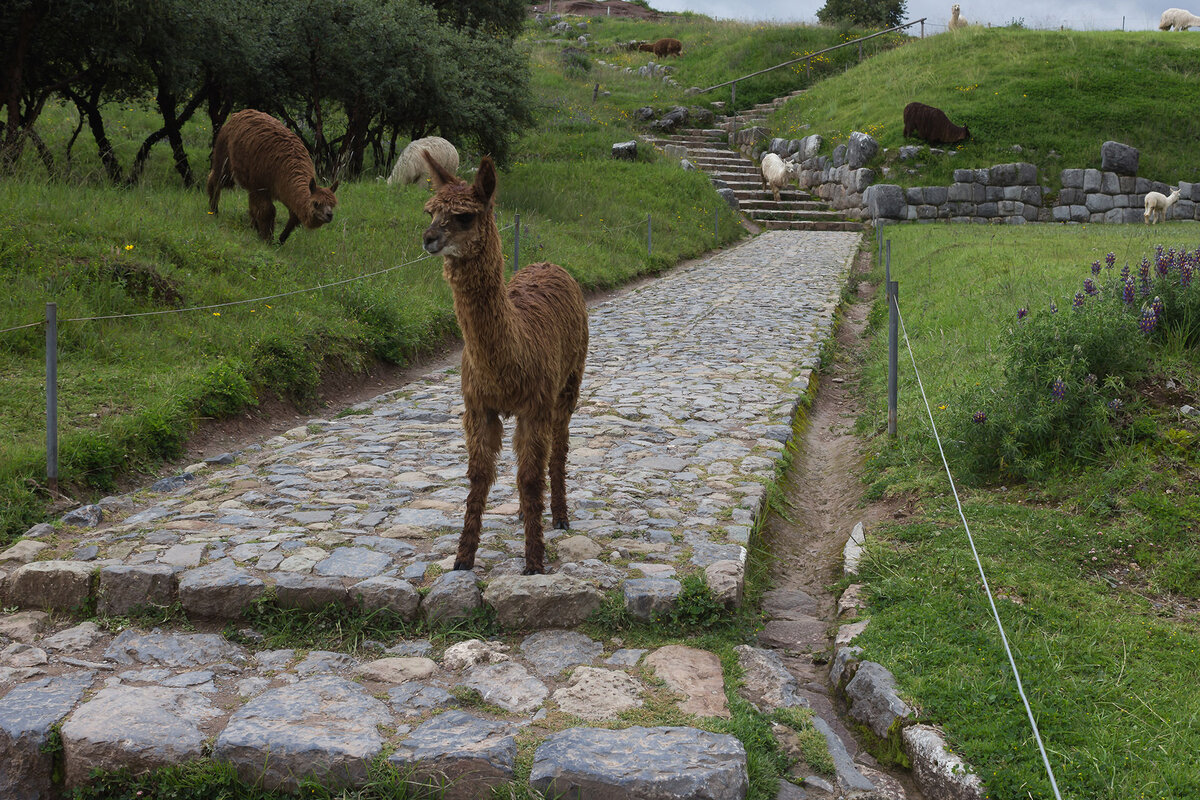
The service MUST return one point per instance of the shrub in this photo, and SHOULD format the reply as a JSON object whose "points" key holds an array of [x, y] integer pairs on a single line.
{"points": [[1067, 377], [224, 391]]}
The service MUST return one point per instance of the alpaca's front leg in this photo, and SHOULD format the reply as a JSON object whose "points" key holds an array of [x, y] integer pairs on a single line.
{"points": [[484, 431], [530, 442]]}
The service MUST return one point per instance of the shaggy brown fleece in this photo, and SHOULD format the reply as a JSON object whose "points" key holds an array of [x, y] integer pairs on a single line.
{"points": [[663, 47], [257, 152], [524, 347], [932, 125]]}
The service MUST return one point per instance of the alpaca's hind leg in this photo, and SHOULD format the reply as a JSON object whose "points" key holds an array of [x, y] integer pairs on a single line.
{"points": [[262, 215], [558, 454], [484, 431], [531, 445]]}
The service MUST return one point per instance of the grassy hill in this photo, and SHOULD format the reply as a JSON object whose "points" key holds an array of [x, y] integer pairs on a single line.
{"points": [[1056, 95]]}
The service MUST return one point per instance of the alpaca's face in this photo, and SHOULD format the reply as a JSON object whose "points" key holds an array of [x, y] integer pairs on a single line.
{"points": [[449, 232], [321, 204], [954, 9]]}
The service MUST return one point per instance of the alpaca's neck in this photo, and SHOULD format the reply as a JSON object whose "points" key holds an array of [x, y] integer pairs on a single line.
{"points": [[485, 314]]}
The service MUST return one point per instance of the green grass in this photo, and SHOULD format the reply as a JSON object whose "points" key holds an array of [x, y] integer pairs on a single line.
{"points": [[1065, 92], [715, 52], [1095, 568]]}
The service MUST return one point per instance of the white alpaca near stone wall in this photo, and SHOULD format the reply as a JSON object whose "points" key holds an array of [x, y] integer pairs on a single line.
{"points": [[956, 20], [1157, 205]]}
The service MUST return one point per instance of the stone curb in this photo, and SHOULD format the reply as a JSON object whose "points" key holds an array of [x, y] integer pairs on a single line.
{"points": [[869, 691], [223, 591]]}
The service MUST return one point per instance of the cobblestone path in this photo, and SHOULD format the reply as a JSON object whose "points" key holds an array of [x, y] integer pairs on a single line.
{"points": [[687, 401]]}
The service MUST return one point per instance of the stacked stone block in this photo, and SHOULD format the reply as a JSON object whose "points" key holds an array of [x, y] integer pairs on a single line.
{"points": [[1092, 195]]}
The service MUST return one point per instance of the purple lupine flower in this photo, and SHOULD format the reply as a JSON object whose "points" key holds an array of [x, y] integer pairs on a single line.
{"points": [[979, 417], [1127, 292], [1078, 301], [1058, 390], [1110, 259], [1089, 286], [1157, 306], [1145, 287], [1144, 268], [1090, 380], [1162, 265], [1125, 273], [1095, 267], [1185, 274], [1148, 321], [1022, 313], [1053, 307], [1115, 404]]}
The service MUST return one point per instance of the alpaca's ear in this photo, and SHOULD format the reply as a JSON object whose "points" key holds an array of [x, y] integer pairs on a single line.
{"points": [[485, 180], [333, 188], [437, 173]]}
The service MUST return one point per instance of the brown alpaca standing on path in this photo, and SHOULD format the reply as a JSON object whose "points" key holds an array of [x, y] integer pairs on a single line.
{"points": [[257, 152], [524, 347]]}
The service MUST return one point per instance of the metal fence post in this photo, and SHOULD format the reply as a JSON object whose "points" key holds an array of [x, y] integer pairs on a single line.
{"points": [[893, 297], [649, 237], [52, 396], [516, 242]]}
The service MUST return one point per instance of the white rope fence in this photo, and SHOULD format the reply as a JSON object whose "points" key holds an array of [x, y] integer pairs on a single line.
{"points": [[982, 575]]}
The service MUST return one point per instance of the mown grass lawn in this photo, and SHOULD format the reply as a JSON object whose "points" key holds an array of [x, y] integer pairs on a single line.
{"points": [[1095, 569]]}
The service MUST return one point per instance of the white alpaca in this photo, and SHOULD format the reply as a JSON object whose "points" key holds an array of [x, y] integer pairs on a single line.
{"points": [[1179, 19], [410, 166], [956, 21], [1157, 205], [777, 173]]}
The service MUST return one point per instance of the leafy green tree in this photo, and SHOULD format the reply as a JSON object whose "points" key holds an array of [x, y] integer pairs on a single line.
{"points": [[865, 13], [503, 16]]}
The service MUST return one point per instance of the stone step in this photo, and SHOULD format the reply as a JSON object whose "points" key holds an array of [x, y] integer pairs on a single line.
{"points": [[843, 225], [754, 206], [794, 214]]}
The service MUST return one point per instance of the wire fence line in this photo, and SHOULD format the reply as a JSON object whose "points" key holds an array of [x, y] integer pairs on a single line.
{"points": [[262, 299], [978, 562], [213, 306]]}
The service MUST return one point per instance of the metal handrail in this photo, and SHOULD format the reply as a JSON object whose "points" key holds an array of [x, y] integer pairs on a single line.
{"points": [[859, 40]]}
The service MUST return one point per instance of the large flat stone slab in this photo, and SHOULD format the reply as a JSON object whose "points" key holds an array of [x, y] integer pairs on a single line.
{"points": [[220, 589], [138, 728], [695, 674], [508, 685], [172, 649], [325, 727], [463, 754], [668, 763], [63, 585], [124, 587], [27, 716], [541, 601]]}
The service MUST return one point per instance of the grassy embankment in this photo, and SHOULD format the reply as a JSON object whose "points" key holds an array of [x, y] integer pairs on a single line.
{"points": [[1095, 570], [718, 51], [1058, 95]]}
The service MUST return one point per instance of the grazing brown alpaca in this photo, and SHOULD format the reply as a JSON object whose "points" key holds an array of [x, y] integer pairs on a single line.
{"points": [[524, 346], [257, 152]]}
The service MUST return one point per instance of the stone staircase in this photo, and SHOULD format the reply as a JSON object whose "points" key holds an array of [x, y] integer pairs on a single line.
{"points": [[708, 150]]}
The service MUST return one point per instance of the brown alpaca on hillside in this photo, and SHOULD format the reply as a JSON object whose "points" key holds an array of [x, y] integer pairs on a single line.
{"points": [[663, 47], [524, 347], [257, 152]]}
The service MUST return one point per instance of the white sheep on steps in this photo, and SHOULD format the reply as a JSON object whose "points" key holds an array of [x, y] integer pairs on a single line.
{"points": [[777, 173], [1157, 205]]}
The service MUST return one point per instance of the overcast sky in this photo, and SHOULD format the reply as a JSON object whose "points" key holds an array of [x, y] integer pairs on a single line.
{"points": [[1077, 14]]}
